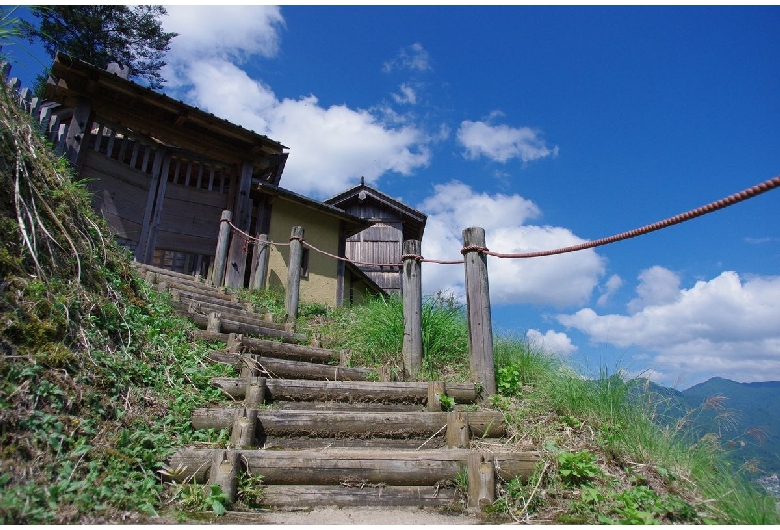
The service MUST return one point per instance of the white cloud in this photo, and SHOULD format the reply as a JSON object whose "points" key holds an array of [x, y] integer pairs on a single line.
{"points": [[721, 326], [552, 341], [614, 283], [330, 147], [407, 95], [414, 57], [560, 280], [657, 286], [226, 32], [502, 142]]}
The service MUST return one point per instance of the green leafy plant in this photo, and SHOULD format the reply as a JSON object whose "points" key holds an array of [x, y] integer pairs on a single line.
{"points": [[577, 468], [204, 498], [447, 402]]}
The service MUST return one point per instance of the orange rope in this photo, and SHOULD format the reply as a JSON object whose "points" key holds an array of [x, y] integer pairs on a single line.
{"points": [[671, 221]]}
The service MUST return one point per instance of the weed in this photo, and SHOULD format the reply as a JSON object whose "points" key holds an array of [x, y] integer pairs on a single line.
{"points": [[577, 468], [447, 402]]}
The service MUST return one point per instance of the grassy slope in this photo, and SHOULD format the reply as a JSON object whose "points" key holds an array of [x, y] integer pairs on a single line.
{"points": [[97, 379]]}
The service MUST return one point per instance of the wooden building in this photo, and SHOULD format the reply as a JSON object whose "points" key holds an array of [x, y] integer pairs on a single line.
{"points": [[379, 245], [162, 172]]}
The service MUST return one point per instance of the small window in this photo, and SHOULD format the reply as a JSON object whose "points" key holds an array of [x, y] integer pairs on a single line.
{"points": [[305, 263]]}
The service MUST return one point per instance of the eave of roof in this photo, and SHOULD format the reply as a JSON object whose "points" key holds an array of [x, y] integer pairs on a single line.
{"points": [[141, 109], [416, 219], [352, 224]]}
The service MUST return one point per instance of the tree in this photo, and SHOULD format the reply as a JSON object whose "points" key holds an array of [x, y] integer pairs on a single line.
{"points": [[100, 34]]}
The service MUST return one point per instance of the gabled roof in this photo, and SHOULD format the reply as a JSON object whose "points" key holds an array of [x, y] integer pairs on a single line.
{"points": [[135, 107], [352, 224], [414, 220]]}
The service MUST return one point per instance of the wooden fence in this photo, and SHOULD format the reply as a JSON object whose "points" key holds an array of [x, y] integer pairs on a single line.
{"points": [[480, 328]]}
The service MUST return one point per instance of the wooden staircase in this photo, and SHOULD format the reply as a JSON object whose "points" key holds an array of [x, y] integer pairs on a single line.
{"points": [[321, 433]]}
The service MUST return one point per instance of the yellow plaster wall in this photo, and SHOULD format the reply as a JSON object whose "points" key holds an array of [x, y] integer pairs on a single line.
{"points": [[320, 230]]}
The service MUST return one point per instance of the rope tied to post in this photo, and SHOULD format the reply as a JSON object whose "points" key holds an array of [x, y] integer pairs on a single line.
{"points": [[477, 248], [415, 257]]}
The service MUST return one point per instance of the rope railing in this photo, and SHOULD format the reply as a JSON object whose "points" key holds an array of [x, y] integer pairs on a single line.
{"points": [[714, 206]]}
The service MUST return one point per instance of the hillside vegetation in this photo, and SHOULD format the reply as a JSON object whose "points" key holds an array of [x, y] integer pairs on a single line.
{"points": [[98, 377]]}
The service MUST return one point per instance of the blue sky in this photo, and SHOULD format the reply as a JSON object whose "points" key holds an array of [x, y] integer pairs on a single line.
{"points": [[548, 126]]}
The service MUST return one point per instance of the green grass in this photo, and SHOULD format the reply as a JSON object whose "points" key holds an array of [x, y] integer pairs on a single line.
{"points": [[374, 333]]}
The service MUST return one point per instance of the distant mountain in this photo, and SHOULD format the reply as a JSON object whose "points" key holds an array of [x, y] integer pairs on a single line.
{"points": [[744, 416]]}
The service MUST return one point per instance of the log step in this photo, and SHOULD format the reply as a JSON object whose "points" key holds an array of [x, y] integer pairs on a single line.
{"points": [[270, 348], [335, 466], [340, 424], [190, 305], [344, 391], [231, 326], [272, 367], [358, 495]]}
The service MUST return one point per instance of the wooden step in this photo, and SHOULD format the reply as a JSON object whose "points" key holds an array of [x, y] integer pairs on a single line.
{"points": [[334, 466], [219, 303], [342, 424], [346, 407], [231, 326], [145, 267], [270, 367], [344, 391], [351, 494], [271, 348]]}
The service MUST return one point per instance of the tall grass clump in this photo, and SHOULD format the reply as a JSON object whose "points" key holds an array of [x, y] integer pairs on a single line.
{"points": [[374, 332], [98, 376], [616, 416]]}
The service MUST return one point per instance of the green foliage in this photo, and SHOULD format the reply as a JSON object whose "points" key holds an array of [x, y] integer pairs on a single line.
{"points": [[99, 34], [447, 402], [250, 489], [374, 332], [577, 468], [98, 375], [204, 498]]}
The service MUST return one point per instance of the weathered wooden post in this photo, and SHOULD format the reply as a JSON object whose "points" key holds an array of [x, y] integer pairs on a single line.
{"points": [[478, 308], [259, 263], [411, 293], [224, 472], [223, 242], [294, 274], [482, 481]]}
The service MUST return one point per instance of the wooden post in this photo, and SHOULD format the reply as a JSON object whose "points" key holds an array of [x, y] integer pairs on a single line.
{"points": [[435, 390], [214, 323], [411, 292], [78, 131], [482, 481], [234, 276], [242, 435], [478, 307], [255, 392], [234, 342], [458, 431], [259, 263], [162, 160], [224, 472], [294, 274], [220, 257]]}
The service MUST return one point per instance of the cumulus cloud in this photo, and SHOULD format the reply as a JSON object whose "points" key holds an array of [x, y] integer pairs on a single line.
{"points": [[414, 58], [724, 325], [230, 33], [560, 281], [330, 147], [502, 143], [657, 286], [612, 285], [551, 341]]}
